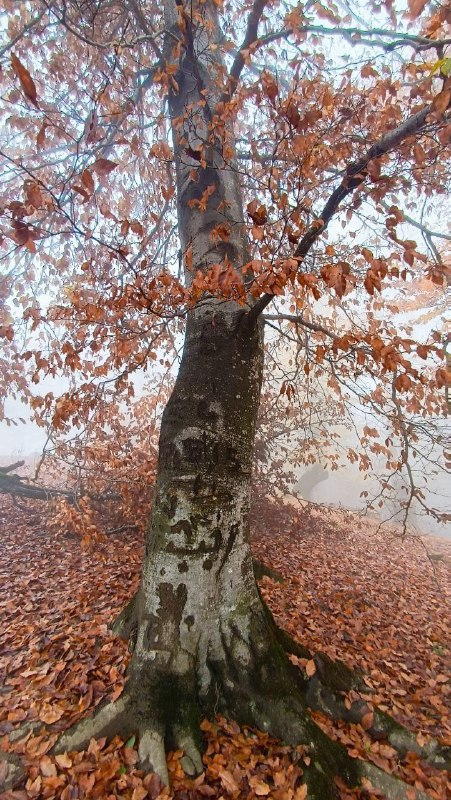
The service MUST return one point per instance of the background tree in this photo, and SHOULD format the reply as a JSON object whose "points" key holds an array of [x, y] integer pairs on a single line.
{"points": [[271, 153]]}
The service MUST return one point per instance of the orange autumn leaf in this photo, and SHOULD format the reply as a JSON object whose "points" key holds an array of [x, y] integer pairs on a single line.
{"points": [[103, 166], [26, 81], [416, 7], [310, 667], [367, 720]]}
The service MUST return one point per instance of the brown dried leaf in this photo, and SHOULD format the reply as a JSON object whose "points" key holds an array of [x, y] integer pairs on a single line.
{"points": [[260, 788], [88, 181], [228, 781], [257, 213], [103, 166], [26, 81], [34, 194], [139, 793], [416, 7], [81, 190], [47, 767], [442, 100], [367, 720]]}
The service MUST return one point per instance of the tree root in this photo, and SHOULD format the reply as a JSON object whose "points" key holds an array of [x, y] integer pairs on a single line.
{"points": [[12, 772], [392, 788], [128, 716], [383, 726], [283, 714], [261, 570], [334, 678], [334, 674], [125, 625], [107, 720]]}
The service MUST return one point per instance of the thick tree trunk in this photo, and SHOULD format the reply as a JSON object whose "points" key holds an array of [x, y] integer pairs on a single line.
{"points": [[198, 593], [202, 639], [203, 642]]}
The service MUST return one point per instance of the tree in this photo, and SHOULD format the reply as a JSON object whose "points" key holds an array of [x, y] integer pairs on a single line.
{"points": [[258, 105]]}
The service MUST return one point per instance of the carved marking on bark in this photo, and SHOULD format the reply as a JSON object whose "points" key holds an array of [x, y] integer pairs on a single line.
{"points": [[170, 612], [201, 549], [151, 632], [189, 621], [233, 533], [183, 526]]}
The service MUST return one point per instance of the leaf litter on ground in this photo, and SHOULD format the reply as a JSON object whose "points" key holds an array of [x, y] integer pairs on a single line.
{"points": [[352, 590]]}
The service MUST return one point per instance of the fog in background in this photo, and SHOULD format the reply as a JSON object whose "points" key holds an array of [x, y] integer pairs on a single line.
{"points": [[317, 484]]}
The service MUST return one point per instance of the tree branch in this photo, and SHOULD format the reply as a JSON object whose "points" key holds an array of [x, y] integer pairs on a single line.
{"points": [[15, 485], [361, 36], [12, 467], [251, 36], [416, 224], [352, 35], [134, 7], [355, 174], [297, 318]]}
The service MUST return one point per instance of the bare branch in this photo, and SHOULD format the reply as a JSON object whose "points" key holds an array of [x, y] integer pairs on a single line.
{"points": [[416, 224], [250, 37], [370, 37], [299, 320], [361, 36], [145, 27], [16, 486], [12, 467]]}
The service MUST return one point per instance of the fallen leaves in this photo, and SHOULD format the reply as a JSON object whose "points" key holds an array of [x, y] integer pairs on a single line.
{"points": [[310, 668], [367, 597], [350, 592], [248, 763]]}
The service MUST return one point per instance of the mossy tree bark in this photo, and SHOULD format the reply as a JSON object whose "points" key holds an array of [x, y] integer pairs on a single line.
{"points": [[203, 642]]}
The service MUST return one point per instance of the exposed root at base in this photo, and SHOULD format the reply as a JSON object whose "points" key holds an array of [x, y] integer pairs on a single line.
{"points": [[11, 771], [324, 692], [255, 683], [328, 758], [109, 719], [383, 727], [392, 788], [120, 718]]}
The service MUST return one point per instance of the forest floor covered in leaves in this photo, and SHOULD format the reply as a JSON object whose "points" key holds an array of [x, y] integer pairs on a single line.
{"points": [[355, 592]]}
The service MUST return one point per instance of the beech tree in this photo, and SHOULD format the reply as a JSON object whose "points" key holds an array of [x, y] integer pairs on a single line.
{"points": [[177, 168]]}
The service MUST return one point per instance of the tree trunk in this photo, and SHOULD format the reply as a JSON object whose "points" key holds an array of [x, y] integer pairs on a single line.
{"points": [[203, 641]]}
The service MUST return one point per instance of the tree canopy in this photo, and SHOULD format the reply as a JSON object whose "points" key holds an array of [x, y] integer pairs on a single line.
{"points": [[340, 139], [212, 170]]}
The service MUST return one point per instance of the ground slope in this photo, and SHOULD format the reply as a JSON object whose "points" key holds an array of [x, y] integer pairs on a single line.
{"points": [[357, 593]]}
